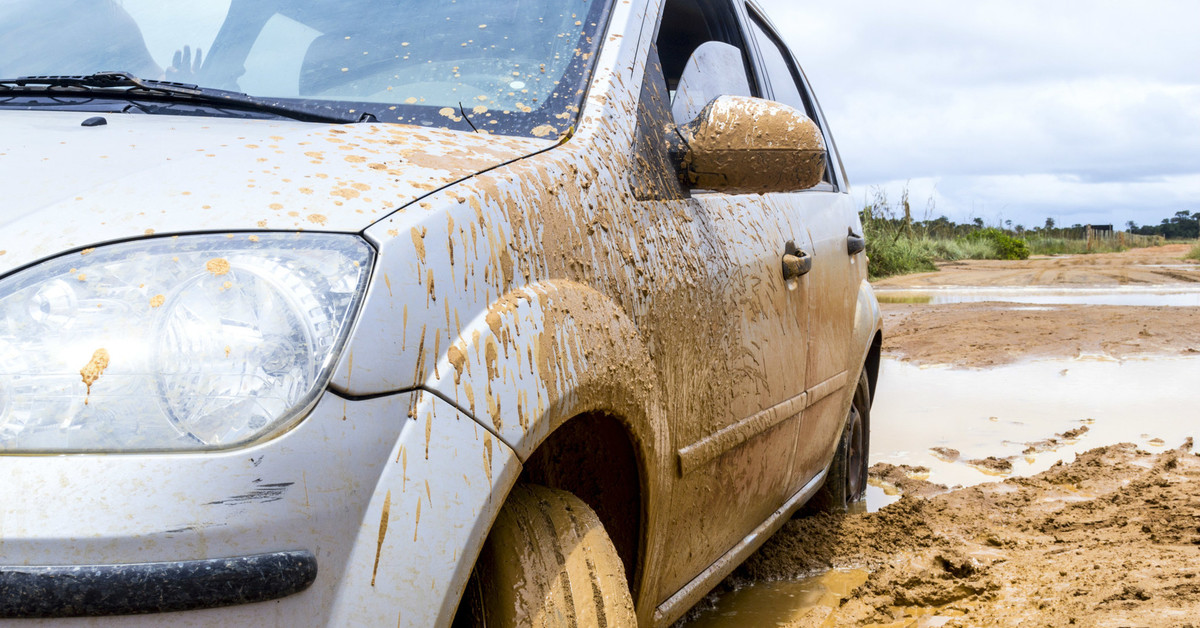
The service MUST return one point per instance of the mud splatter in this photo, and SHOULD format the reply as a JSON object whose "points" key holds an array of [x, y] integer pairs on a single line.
{"points": [[418, 240], [383, 526], [94, 369], [458, 360], [418, 521], [218, 266]]}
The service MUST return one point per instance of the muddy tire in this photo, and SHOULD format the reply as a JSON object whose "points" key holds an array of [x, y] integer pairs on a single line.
{"points": [[546, 562], [846, 484]]}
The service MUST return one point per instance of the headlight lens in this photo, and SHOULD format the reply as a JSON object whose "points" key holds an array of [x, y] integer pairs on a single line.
{"points": [[196, 342]]}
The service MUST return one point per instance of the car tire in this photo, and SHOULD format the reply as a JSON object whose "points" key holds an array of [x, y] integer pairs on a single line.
{"points": [[546, 562], [846, 484]]}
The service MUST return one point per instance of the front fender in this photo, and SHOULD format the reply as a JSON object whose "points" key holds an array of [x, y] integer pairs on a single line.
{"points": [[868, 320]]}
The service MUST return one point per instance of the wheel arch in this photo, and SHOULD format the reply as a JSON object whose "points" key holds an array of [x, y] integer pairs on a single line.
{"points": [[569, 364], [868, 334]]}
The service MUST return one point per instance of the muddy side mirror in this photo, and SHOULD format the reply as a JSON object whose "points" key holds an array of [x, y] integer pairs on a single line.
{"points": [[743, 145]]}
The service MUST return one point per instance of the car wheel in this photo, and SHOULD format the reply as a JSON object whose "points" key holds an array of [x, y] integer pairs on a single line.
{"points": [[846, 484], [547, 562]]}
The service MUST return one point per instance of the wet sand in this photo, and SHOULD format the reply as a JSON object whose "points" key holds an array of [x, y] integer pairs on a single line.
{"points": [[1025, 406], [1150, 266], [989, 333], [1111, 540]]}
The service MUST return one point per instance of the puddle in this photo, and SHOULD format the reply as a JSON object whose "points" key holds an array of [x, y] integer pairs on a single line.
{"points": [[782, 603], [1177, 296], [1008, 412], [1011, 412]]}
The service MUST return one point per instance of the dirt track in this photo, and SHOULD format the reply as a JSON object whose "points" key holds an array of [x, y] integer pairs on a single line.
{"points": [[1156, 265], [1110, 539], [988, 334]]}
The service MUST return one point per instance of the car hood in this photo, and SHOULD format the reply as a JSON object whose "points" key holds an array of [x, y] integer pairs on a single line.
{"points": [[68, 186]]}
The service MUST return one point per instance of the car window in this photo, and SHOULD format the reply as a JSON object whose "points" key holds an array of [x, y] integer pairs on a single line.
{"points": [[777, 64], [784, 76], [688, 24]]}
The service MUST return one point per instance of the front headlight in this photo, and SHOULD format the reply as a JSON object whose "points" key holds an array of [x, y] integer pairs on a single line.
{"points": [[194, 342]]}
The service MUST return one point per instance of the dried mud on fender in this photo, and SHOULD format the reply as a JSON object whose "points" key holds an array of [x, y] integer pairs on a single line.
{"points": [[1111, 538]]}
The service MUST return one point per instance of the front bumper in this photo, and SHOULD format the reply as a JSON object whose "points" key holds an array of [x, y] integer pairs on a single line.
{"points": [[88, 536], [95, 590]]}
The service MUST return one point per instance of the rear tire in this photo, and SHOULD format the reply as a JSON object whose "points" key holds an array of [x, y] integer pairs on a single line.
{"points": [[547, 562], [846, 483]]}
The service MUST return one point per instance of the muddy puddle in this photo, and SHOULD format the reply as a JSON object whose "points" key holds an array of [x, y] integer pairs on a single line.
{"points": [[962, 427], [967, 426], [1174, 295], [772, 604]]}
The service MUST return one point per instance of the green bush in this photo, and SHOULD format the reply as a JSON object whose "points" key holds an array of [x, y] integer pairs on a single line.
{"points": [[892, 255], [1007, 247]]}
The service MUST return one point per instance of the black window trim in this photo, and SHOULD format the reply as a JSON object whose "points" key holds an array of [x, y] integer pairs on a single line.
{"points": [[749, 10]]}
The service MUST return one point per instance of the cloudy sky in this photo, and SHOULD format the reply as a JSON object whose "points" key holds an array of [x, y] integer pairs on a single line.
{"points": [[1085, 111]]}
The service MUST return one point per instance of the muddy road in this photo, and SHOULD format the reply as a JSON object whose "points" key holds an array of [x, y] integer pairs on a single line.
{"points": [[1032, 459]]}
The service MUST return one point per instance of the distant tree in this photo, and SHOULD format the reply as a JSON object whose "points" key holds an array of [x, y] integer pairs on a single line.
{"points": [[978, 222], [1131, 226], [1049, 223]]}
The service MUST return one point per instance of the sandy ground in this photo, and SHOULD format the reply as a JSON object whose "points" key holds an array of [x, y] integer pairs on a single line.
{"points": [[1110, 539], [988, 334], [1156, 265]]}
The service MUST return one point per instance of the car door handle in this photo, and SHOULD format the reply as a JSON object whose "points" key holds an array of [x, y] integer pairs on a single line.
{"points": [[855, 243], [796, 265]]}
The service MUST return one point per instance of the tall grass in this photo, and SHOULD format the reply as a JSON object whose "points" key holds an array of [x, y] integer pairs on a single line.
{"points": [[1194, 253], [898, 245], [1049, 245]]}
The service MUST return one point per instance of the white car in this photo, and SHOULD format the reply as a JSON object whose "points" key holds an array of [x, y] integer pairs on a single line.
{"points": [[398, 312]]}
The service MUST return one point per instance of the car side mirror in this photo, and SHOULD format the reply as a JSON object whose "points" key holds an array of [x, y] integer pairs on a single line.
{"points": [[743, 145]]}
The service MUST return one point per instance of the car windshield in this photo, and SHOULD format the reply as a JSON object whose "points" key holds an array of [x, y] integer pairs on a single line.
{"points": [[514, 67]]}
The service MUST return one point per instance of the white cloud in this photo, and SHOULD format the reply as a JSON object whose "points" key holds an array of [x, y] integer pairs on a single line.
{"points": [[1071, 108]]}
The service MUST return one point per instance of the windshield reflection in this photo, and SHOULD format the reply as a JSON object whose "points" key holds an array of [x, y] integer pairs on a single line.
{"points": [[502, 66]]}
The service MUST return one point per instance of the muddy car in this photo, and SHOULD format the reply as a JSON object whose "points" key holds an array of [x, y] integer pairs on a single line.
{"points": [[393, 312]]}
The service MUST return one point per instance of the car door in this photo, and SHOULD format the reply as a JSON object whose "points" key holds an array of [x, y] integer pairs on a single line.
{"points": [[734, 461], [827, 214]]}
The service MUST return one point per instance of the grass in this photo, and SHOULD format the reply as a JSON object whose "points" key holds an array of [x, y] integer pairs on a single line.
{"points": [[896, 245], [1040, 245], [895, 253], [1194, 253]]}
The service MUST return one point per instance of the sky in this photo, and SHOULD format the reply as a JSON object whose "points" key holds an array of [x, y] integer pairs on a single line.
{"points": [[1084, 111]]}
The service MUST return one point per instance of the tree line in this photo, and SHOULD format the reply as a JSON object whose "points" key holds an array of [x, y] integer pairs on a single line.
{"points": [[1181, 226]]}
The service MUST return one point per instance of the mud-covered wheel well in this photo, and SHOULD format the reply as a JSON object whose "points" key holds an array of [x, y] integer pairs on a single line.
{"points": [[872, 364], [593, 457]]}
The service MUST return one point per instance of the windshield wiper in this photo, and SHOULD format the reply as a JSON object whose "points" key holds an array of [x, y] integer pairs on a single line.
{"points": [[126, 84]]}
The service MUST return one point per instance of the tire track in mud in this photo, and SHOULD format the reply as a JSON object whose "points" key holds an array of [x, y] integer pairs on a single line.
{"points": [[1110, 539]]}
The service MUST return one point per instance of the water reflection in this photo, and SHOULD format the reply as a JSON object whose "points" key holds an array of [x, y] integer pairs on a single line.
{"points": [[1013, 412], [782, 603], [1176, 295]]}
